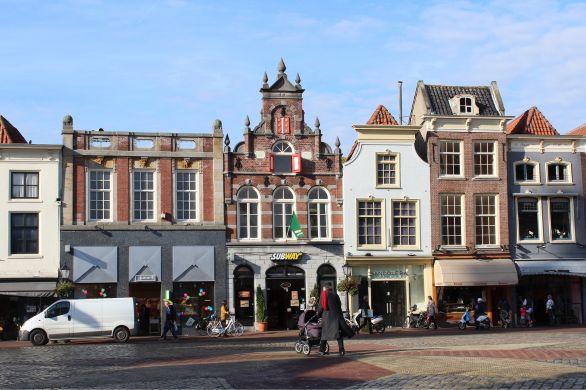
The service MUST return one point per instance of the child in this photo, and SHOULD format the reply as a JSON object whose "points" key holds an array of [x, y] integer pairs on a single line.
{"points": [[524, 316]]}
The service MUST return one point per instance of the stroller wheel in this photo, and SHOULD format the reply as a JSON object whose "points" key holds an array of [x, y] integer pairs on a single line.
{"points": [[298, 347], [306, 349]]}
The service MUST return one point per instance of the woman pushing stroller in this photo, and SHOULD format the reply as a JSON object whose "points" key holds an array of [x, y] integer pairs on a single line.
{"points": [[334, 326]]}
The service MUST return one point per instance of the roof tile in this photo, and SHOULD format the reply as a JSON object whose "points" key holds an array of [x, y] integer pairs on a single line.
{"points": [[381, 116], [531, 122], [9, 134], [580, 130], [440, 95]]}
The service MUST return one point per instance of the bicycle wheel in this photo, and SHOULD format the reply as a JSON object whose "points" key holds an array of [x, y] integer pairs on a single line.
{"points": [[213, 329], [238, 329]]}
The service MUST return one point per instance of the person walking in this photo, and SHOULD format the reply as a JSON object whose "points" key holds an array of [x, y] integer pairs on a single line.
{"points": [[431, 312], [364, 308], [334, 326], [224, 314], [550, 310], [144, 318], [170, 320]]}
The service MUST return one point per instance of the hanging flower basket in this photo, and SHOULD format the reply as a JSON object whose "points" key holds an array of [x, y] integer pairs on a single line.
{"points": [[64, 289]]}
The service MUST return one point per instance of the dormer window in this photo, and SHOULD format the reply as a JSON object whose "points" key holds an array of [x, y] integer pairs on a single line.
{"points": [[465, 105]]}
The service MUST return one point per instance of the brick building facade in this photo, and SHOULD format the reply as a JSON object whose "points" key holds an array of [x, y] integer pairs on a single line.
{"points": [[143, 217], [281, 168]]}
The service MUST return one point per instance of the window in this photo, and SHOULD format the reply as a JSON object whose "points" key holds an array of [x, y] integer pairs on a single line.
{"points": [[450, 158], [186, 195], [282, 152], [526, 172], [484, 159], [100, 142], [25, 185], [24, 233], [100, 195], [248, 204], [387, 170], [405, 224], [528, 219], [144, 195], [283, 204], [370, 223], [58, 309], [143, 143], [319, 206], [558, 172], [465, 105], [185, 144], [561, 219], [486, 233], [452, 220]]}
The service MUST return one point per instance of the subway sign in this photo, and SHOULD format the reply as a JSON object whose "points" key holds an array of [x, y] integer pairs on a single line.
{"points": [[286, 256]]}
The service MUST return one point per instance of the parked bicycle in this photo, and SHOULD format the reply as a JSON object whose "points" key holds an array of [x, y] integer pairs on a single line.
{"points": [[413, 319], [233, 328]]}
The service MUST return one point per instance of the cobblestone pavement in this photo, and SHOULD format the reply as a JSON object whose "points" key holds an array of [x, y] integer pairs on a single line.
{"points": [[534, 358]]}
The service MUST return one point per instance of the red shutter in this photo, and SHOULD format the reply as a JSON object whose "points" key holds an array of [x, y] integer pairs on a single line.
{"points": [[271, 162], [296, 163], [283, 126]]}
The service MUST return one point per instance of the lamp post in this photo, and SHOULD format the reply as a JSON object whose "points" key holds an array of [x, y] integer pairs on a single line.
{"points": [[64, 272], [347, 269]]}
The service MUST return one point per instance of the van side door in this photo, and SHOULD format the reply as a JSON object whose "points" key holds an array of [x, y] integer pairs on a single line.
{"points": [[87, 318], [58, 323]]}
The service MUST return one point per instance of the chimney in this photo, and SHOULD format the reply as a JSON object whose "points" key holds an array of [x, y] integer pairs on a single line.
{"points": [[400, 83]]}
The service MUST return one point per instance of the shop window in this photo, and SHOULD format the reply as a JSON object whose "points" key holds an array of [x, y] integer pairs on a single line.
{"points": [[405, 224], [24, 233], [193, 300], [558, 172], [319, 215], [95, 290], [186, 193], [528, 219], [248, 213], [143, 195], [484, 159], [561, 219], [25, 185], [455, 299], [486, 220], [387, 170], [100, 195], [452, 220], [451, 158], [283, 205], [370, 223]]}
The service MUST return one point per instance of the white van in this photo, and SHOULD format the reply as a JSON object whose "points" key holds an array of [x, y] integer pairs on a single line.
{"points": [[82, 318]]}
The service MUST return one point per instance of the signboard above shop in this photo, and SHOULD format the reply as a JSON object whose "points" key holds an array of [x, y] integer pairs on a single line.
{"points": [[286, 256]]}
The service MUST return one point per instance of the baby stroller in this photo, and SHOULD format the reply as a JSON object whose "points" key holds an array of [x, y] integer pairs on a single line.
{"points": [[309, 332]]}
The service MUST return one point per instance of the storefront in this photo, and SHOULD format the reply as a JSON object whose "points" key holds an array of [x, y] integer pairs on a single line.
{"points": [[392, 286], [460, 282]]}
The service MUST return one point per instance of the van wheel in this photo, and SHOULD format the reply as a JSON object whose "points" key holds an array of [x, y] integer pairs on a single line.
{"points": [[121, 334], [38, 337]]}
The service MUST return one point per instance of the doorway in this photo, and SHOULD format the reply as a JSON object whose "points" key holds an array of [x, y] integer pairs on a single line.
{"points": [[147, 296], [244, 295], [326, 277], [388, 300], [285, 296]]}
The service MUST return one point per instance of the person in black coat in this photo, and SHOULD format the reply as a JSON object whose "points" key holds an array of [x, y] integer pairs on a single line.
{"points": [[334, 326]]}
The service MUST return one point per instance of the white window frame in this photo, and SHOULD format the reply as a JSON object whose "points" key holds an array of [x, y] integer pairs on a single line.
{"points": [[495, 156], [536, 173], [327, 202], [570, 179], [539, 240], [396, 246], [278, 153], [383, 244], [462, 221], [496, 221], [155, 196], [88, 195], [197, 195], [293, 210], [259, 215], [572, 221], [460, 154], [467, 108], [397, 164]]}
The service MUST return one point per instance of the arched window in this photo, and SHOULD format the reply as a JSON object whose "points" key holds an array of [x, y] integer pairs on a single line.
{"points": [[319, 213], [283, 205], [282, 155], [526, 172], [559, 172], [248, 213]]}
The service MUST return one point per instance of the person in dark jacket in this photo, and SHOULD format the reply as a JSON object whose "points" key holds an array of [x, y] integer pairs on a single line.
{"points": [[364, 308], [144, 318], [334, 326], [170, 318]]}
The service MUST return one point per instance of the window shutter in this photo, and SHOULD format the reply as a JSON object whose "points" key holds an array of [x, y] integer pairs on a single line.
{"points": [[296, 163], [283, 126], [271, 162]]}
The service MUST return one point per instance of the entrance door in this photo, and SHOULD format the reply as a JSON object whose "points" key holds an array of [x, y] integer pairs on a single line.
{"points": [[244, 295], [285, 295], [388, 300], [148, 300]]}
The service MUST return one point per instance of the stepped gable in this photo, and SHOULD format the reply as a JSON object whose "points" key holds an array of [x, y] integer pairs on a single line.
{"points": [[531, 122], [381, 116], [9, 134], [580, 130]]}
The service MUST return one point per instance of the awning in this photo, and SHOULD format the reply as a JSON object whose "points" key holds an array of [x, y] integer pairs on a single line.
{"points": [[552, 267], [473, 272], [193, 264], [144, 264], [28, 289], [95, 264]]}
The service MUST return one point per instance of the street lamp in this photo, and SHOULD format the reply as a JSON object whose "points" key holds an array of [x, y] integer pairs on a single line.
{"points": [[64, 272], [347, 269]]}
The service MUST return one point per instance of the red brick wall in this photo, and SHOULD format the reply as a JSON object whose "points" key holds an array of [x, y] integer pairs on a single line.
{"points": [[79, 188], [166, 189], [122, 189]]}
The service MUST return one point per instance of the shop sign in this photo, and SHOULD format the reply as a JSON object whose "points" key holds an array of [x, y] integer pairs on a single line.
{"points": [[145, 278], [389, 274], [244, 303], [244, 294], [286, 256]]}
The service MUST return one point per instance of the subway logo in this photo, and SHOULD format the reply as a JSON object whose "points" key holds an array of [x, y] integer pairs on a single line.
{"points": [[288, 256]]}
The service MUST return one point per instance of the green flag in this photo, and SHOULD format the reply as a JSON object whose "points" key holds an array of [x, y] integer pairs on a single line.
{"points": [[295, 227]]}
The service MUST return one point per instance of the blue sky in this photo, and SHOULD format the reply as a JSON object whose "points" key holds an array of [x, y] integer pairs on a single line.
{"points": [[176, 65]]}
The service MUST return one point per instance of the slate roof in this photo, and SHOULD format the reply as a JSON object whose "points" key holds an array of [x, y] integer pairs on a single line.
{"points": [[439, 96], [531, 122], [580, 130], [381, 116], [9, 134]]}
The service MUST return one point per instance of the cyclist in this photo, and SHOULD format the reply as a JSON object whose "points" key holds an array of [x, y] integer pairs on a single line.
{"points": [[224, 314]]}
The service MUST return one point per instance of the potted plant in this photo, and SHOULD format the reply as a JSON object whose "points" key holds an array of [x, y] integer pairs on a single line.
{"points": [[64, 289], [261, 310]]}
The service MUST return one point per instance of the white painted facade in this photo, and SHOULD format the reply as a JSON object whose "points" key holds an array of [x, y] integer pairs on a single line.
{"points": [[44, 159]]}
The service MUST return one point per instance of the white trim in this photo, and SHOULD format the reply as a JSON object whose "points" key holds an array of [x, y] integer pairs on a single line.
{"points": [[399, 247], [383, 216], [540, 239], [397, 164], [328, 203], [175, 210], [461, 154], [259, 214], [495, 156], [462, 220], [568, 165], [88, 195], [293, 210], [536, 173], [155, 195], [497, 222], [572, 220]]}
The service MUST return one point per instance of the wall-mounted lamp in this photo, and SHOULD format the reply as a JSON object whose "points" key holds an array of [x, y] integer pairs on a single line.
{"points": [[64, 272]]}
